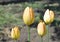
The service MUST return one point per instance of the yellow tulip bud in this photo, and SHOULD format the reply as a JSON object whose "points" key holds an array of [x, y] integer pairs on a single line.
{"points": [[41, 29], [28, 16], [15, 33], [48, 16]]}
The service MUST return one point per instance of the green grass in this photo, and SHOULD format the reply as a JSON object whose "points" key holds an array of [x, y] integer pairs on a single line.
{"points": [[12, 13], [9, 15]]}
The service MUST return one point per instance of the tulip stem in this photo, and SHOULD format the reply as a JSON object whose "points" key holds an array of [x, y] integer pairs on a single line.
{"points": [[47, 33], [41, 39], [28, 34], [15, 40]]}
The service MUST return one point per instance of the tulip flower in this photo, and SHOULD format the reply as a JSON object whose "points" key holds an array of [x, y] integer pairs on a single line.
{"points": [[28, 16], [15, 33], [41, 29], [48, 16]]}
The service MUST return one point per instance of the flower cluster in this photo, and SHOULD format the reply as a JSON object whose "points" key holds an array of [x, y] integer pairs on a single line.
{"points": [[28, 18], [48, 18]]}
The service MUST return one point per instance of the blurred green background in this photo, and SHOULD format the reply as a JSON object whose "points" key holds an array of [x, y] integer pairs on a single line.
{"points": [[11, 15]]}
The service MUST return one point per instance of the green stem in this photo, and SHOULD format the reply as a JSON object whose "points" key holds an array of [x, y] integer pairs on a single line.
{"points": [[28, 34], [47, 33], [41, 39], [15, 40]]}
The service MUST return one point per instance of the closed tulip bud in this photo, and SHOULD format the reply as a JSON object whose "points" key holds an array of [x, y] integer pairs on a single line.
{"points": [[28, 16], [41, 29], [48, 16], [15, 33]]}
